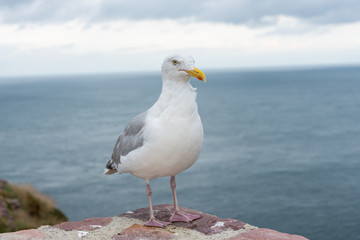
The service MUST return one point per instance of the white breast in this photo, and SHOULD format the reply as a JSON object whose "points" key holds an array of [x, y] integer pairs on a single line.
{"points": [[173, 137]]}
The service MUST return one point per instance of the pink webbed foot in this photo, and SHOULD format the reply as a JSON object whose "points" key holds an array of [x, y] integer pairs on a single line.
{"points": [[153, 222], [183, 217]]}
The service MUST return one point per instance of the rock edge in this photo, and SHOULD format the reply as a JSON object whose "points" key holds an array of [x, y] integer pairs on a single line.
{"points": [[129, 225]]}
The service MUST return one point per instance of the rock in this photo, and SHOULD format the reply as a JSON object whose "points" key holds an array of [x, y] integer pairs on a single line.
{"points": [[4, 212], [137, 232], [129, 226], [32, 234], [265, 234], [207, 224], [87, 224], [6, 218], [14, 203]]}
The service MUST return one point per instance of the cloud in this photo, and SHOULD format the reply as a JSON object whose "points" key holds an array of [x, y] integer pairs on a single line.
{"points": [[160, 35], [252, 12], [50, 36], [249, 12], [132, 45]]}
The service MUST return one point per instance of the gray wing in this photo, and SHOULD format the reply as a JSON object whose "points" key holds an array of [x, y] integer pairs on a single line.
{"points": [[130, 139]]}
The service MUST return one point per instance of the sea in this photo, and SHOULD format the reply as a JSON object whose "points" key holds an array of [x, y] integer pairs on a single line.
{"points": [[281, 147]]}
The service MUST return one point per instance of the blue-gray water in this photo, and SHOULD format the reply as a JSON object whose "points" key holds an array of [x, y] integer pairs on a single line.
{"points": [[281, 149]]}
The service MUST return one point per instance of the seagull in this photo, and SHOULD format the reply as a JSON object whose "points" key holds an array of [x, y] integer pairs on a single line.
{"points": [[167, 138]]}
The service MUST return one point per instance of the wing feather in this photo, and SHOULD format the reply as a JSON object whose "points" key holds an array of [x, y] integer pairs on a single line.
{"points": [[129, 140]]}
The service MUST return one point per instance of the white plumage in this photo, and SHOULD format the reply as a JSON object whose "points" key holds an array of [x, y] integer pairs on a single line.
{"points": [[173, 136], [166, 139]]}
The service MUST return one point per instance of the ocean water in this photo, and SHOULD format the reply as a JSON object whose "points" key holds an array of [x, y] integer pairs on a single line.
{"points": [[281, 149]]}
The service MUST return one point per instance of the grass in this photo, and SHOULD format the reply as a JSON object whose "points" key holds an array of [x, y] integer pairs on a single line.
{"points": [[35, 209]]}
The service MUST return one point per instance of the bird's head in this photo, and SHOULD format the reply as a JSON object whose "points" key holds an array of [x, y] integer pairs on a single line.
{"points": [[181, 68]]}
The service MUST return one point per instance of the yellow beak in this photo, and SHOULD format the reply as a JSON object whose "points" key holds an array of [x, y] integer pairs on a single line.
{"points": [[197, 73]]}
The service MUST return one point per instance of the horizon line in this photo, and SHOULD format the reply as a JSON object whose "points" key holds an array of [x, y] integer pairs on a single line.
{"points": [[232, 69]]}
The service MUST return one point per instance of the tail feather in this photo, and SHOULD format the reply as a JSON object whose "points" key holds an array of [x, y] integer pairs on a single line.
{"points": [[110, 168]]}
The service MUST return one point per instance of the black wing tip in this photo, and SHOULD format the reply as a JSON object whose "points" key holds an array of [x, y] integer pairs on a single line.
{"points": [[110, 168], [110, 165]]}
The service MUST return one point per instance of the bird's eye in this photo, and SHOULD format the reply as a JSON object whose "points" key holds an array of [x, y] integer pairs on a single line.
{"points": [[175, 62]]}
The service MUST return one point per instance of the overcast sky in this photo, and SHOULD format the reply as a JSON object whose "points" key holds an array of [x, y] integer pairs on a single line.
{"points": [[84, 36]]}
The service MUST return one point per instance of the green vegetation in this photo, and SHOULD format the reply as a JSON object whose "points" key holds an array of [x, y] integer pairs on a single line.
{"points": [[23, 207]]}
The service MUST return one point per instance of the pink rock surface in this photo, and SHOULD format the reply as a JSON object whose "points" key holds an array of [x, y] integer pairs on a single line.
{"points": [[86, 224], [266, 234], [207, 224], [137, 232], [32, 234]]}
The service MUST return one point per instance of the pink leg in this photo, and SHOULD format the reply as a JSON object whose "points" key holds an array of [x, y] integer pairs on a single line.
{"points": [[153, 222], [179, 216]]}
